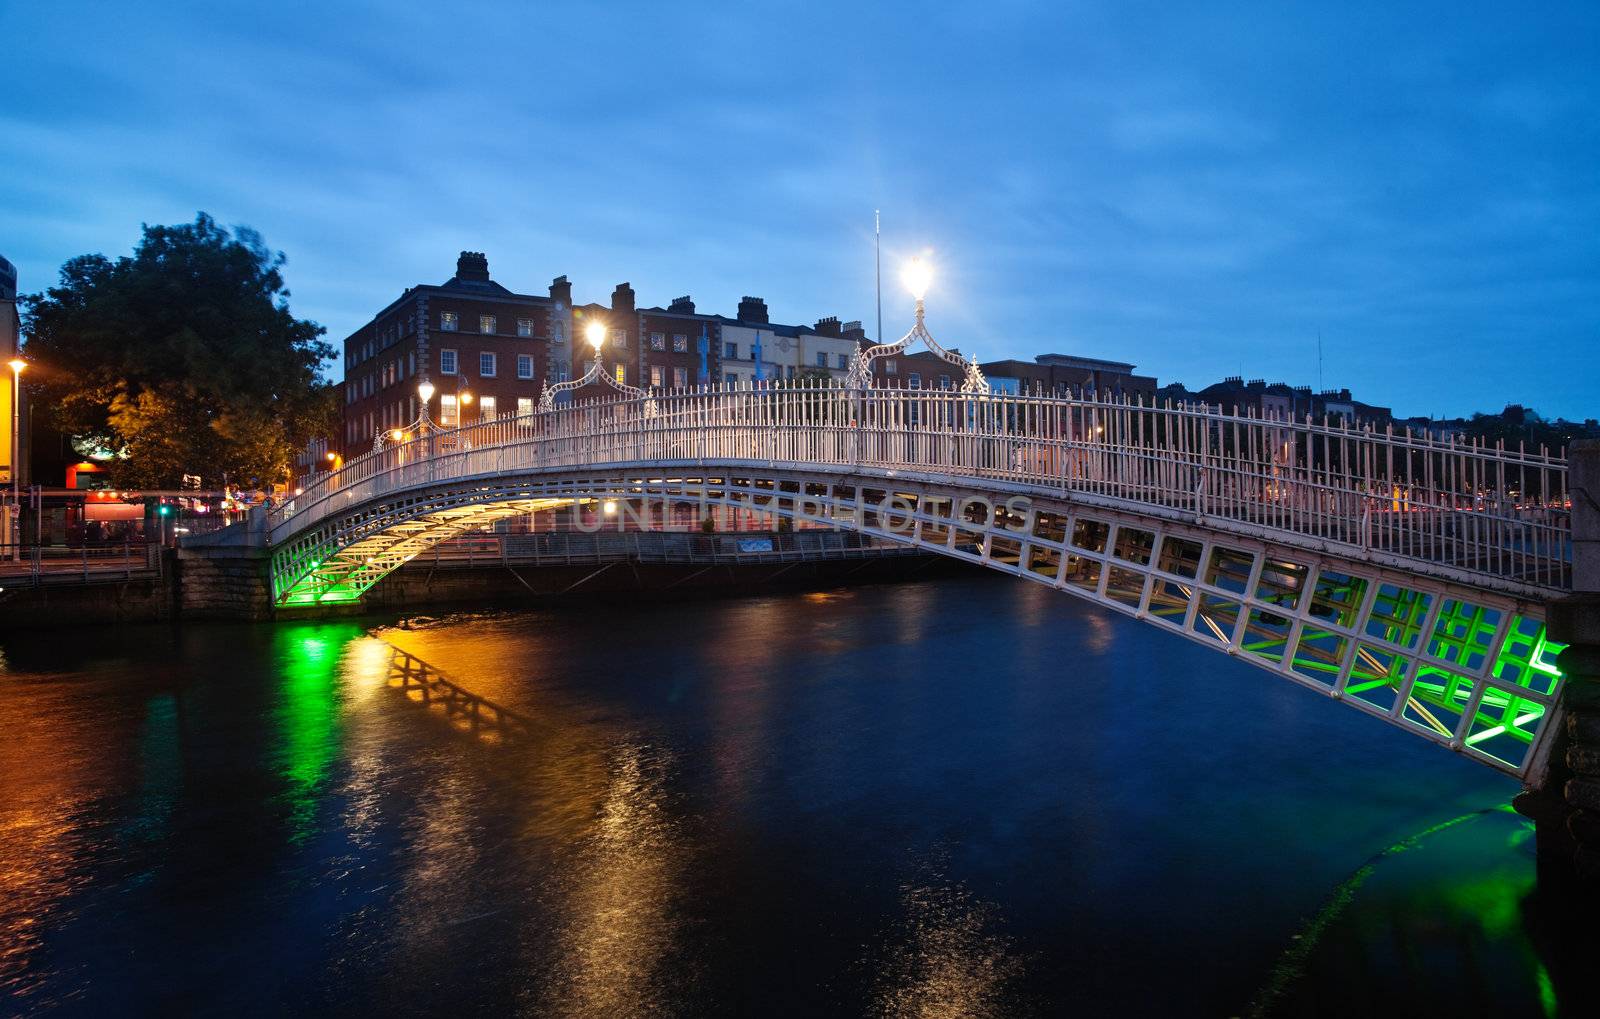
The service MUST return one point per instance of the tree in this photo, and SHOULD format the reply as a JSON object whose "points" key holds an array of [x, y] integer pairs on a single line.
{"points": [[183, 358]]}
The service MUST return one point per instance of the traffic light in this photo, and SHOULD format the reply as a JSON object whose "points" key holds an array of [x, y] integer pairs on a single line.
{"points": [[164, 510]]}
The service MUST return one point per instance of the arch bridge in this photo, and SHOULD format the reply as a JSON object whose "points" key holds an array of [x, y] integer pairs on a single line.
{"points": [[1400, 575]]}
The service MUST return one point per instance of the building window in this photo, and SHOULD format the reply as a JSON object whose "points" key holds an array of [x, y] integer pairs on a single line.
{"points": [[524, 366], [890, 366], [619, 337], [448, 321], [680, 343], [524, 406], [914, 380], [730, 351], [447, 362], [563, 375], [680, 378], [730, 379], [844, 362], [658, 341], [558, 332], [448, 416], [657, 376], [944, 382], [621, 374], [524, 327], [822, 360], [486, 408], [486, 323], [486, 364]]}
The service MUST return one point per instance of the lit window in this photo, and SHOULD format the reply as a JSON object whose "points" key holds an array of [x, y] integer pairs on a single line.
{"points": [[524, 366], [486, 323], [486, 364], [680, 343], [822, 360], [447, 362], [658, 341], [730, 351], [486, 408], [621, 374], [656, 374], [448, 321], [524, 406], [680, 378], [448, 416], [524, 327]]}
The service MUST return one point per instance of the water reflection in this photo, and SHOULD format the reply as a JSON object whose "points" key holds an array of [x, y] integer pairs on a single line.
{"points": [[708, 809], [947, 957], [620, 919]]}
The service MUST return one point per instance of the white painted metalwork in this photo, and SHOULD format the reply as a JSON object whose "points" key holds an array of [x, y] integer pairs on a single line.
{"points": [[860, 374]]}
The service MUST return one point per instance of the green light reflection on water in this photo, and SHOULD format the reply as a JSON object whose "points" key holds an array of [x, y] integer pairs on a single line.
{"points": [[308, 714]]}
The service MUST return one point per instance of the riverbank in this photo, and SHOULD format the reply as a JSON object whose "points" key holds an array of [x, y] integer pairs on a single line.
{"points": [[235, 589]]}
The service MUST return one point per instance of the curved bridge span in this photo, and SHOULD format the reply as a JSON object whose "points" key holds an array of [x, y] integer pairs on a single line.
{"points": [[1400, 575]]}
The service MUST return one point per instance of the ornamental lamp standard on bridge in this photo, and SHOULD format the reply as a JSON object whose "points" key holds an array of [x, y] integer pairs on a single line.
{"points": [[917, 275], [595, 333], [17, 364]]}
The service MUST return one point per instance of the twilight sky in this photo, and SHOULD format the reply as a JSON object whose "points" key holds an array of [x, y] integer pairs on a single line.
{"points": [[1199, 193]]}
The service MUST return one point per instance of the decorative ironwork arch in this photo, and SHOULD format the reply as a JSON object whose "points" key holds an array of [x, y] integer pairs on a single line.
{"points": [[596, 373], [860, 376]]}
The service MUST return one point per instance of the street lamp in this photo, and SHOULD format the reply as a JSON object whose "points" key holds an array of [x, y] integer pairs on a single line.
{"points": [[17, 364], [424, 394], [595, 333], [917, 275]]}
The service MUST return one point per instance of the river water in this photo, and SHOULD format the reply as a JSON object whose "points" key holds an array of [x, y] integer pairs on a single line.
{"points": [[968, 796]]}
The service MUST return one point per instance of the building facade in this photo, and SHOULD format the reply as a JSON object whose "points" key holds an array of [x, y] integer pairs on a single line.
{"points": [[487, 350]]}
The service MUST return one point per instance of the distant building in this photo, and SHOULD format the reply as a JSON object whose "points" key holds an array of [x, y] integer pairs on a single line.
{"points": [[1260, 398], [1064, 374]]}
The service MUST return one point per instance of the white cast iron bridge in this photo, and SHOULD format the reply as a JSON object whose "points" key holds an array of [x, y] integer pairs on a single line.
{"points": [[1400, 575]]}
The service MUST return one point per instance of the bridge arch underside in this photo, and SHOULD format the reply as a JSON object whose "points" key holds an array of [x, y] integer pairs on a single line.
{"points": [[1467, 668]]}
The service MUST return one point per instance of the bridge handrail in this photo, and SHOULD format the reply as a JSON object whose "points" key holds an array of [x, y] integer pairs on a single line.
{"points": [[1500, 512]]}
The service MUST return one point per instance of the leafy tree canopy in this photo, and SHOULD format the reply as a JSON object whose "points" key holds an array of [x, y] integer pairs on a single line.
{"points": [[184, 358]]}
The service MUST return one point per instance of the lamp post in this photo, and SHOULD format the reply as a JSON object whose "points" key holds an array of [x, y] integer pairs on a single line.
{"points": [[917, 275], [595, 332], [424, 394], [17, 364]]}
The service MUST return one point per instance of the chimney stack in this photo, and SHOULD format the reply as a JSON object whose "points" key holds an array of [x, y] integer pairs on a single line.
{"points": [[752, 309], [473, 265], [622, 299], [561, 291], [829, 326], [682, 305], [853, 331]]}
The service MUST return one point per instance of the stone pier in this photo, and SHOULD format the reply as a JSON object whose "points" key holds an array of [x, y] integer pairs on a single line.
{"points": [[1563, 796]]}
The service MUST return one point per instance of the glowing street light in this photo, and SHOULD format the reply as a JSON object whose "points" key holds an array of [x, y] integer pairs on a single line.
{"points": [[17, 364], [917, 274], [595, 333]]}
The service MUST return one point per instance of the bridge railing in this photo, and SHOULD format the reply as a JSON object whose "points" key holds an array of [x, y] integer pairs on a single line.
{"points": [[1486, 510]]}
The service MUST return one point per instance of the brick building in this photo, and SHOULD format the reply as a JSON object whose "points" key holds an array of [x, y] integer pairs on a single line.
{"points": [[487, 351]]}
